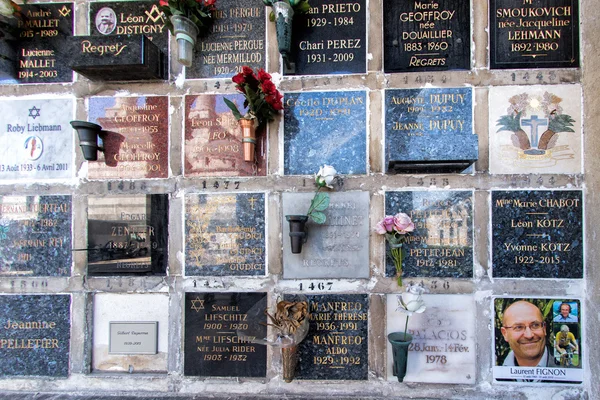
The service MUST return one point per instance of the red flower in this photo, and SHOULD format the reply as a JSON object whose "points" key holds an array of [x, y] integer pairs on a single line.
{"points": [[238, 79], [269, 87], [263, 75], [275, 101], [164, 2], [210, 2], [247, 71]]}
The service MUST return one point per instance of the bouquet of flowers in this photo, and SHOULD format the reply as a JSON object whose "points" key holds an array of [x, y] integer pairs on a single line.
{"points": [[395, 228], [200, 12], [263, 100]]}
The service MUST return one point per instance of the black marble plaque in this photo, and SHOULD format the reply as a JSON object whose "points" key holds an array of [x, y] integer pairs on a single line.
{"points": [[35, 236], [130, 18], [426, 35], [331, 38], [429, 130], [534, 34], [117, 58], [128, 234], [36, 330], [537, 234], [237, 39], [42, 48], [212, 347], [225, 234], [336, 347], [442, 243]]}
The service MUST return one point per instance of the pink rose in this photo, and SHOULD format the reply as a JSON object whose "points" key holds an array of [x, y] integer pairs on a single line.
{"points": [[385, 225], [403, 224]]}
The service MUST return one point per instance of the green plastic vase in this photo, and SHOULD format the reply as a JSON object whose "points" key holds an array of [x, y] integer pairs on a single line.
{"points": [[400, 343]]}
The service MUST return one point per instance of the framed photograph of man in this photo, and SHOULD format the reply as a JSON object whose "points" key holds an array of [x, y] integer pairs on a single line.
{"points": [[530, 347]]}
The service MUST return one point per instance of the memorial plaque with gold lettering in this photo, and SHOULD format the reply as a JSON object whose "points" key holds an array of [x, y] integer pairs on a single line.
{"points": [[42, 47], [225, 234], [211, 344], [338, 248], [426, 35], [236, 39], [330, 39], [35, 236], [129, 18], [534, 34], [36, 332], [443, 347], [36, 139], [325, 128], [336, 347], [128, 234], [537, 234], [442, 243], [535, 129], [213, 139], [136, 141], [429, 130]]}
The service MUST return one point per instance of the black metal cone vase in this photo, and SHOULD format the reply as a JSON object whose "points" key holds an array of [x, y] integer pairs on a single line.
{"points": [[88, 138], [297, 231]]}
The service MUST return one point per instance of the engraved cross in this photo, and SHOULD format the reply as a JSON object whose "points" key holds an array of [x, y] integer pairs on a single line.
{"points": [[534, 123]]}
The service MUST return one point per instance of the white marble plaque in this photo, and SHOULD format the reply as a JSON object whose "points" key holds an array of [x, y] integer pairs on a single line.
{"points": [[133, 308], [535, 129], [443, 347], [36, 139], [339, 248]]}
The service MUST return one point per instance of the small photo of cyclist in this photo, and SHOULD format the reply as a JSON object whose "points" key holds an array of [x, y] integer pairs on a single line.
{"points": [[566, 332]]}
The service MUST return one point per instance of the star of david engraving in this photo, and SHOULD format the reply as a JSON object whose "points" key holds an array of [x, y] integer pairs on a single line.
{"points": [[197, 304], [34, 112], [65, 11]]}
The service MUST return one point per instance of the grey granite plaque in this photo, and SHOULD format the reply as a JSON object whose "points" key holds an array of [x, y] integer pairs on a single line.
{"points": [[225, 234], [339, 248], [534, 34], [426, 35], [36, 139], [237, 39], [336, 347], [42, 48], [429, 130], [443, 347], [325, 128], [212, 346], [36, 332], [537, 234], [35, 236], [330, 39], [128, 234], [133, 338], [442, 243]]}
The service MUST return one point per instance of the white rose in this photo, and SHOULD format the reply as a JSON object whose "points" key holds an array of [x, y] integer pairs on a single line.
{"points": [[325, 176], [411, 301]]}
